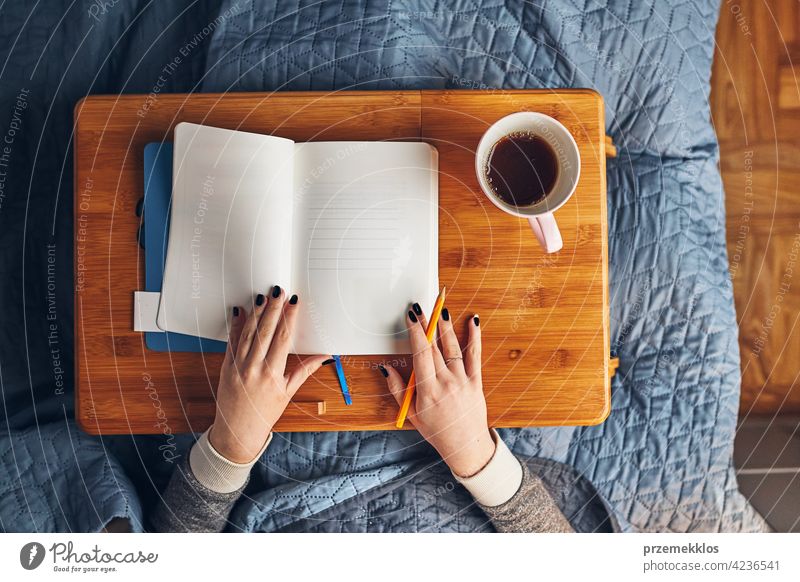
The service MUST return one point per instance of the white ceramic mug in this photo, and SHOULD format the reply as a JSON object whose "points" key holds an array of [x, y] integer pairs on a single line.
{"points": [[539, 215]]}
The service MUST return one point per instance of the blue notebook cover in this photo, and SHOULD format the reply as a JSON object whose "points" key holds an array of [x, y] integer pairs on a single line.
{"points": [[157, 198]]}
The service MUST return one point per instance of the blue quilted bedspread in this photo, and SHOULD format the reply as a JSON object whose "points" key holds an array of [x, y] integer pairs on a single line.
{"points": [[662, 461]]}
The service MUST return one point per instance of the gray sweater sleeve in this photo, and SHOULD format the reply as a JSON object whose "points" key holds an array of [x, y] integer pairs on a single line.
{"points": [[187, 506], [530, 510]]}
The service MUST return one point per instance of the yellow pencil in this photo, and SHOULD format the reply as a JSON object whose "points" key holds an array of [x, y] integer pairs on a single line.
{"points": [[430, 334]]}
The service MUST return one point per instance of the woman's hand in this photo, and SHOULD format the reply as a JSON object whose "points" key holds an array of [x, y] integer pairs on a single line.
{"points": [[449, 409], [254, 388]]}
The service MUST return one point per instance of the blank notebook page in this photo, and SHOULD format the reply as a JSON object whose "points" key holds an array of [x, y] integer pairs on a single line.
{"points": [[230, 231], [365, 243]]}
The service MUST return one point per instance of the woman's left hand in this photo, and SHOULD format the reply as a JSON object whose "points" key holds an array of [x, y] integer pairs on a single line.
{"points": [[254, 388]]}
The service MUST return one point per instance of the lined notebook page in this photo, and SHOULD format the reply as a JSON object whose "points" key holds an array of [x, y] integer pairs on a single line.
{"points": [[365, 243]]}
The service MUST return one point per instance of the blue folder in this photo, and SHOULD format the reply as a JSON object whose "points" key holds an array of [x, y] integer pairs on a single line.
{"points": [[157, 198]]}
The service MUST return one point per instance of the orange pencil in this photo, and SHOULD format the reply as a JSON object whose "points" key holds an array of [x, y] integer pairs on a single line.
{"points": [[430, 334]]}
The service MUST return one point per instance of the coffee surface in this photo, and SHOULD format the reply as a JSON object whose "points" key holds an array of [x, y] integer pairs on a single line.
{"points": [[522, 169]]}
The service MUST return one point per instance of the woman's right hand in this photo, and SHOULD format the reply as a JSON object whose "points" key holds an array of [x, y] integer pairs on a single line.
{"points": [[449, 408]]}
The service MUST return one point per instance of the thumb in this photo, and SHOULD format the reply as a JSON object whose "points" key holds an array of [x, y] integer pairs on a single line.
{"points": [[234, 333], [304, 369], [397, 386]]}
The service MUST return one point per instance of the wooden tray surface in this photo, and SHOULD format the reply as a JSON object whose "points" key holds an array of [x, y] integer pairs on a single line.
{"points": [[544, 317]]}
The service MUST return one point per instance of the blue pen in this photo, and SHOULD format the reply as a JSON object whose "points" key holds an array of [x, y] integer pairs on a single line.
{"points": [[342, 381]]}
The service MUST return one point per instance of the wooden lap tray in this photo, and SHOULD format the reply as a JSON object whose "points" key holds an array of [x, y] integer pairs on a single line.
{"points": [[544, 317]]}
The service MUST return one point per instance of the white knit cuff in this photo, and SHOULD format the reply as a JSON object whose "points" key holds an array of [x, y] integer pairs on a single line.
{"points": [[215, 472], [499, 480]]}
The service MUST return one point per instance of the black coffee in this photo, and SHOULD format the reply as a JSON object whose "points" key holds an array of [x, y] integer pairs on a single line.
{"points": [[522, 169]]}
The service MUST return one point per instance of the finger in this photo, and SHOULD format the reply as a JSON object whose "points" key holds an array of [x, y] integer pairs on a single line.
{"points": [[282, 339], [397, 387], [267, 325], [436, 354], [249, 329], [451, 351], [301, 373], [421, 350], [472, 353], [235, 332]]}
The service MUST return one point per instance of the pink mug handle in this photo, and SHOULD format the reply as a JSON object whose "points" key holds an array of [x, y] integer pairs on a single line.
{"points": [[546, 230]]}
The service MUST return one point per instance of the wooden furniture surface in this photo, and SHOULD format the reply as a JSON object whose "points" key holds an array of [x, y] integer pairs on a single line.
{"points": [[755, 106], [544, 317]]}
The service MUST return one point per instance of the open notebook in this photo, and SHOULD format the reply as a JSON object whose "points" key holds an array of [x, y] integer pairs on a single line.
{"points": [[351, 227]]}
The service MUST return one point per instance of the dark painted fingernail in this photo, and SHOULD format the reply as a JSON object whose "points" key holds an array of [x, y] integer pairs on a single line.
{"points": [[383, 371], [236, 312], [328, 361], [276, 291], [412, 317], [259, 299], [417, 309], [477, 321], [293, 300], [445, 314]]}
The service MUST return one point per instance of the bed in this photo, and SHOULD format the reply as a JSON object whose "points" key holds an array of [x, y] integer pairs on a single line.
{"points": [[663, 459]]}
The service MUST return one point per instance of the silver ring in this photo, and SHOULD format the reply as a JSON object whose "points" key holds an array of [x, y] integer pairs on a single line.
{"points": [[448, 360]]}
